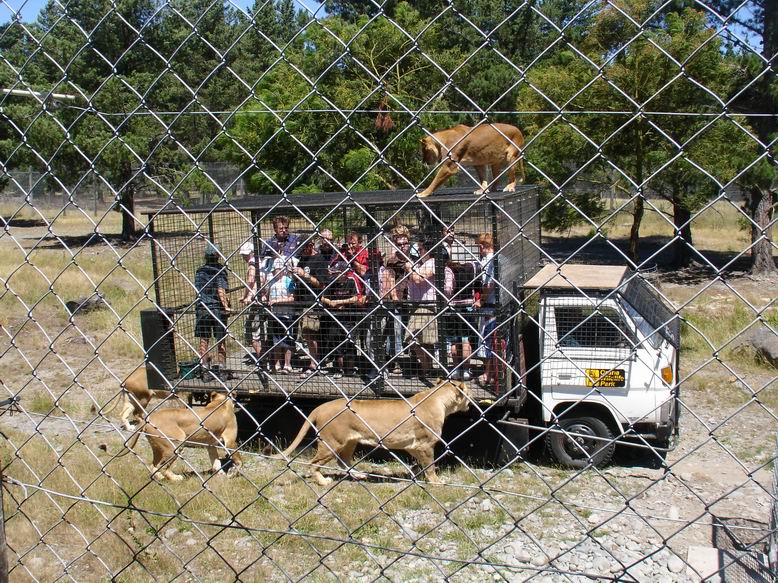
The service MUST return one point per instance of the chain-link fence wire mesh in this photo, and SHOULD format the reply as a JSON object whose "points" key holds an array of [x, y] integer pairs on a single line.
{"points": [[213, 231]]}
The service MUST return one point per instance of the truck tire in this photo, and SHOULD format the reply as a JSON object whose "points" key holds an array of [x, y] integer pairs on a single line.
{"points": [[575, 451]]}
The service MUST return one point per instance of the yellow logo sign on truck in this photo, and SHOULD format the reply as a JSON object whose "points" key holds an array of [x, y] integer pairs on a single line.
{"points": [[604, 377]]}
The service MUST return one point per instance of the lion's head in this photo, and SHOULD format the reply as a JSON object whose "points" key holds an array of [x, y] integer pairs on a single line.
{"points": [[458, 396]]}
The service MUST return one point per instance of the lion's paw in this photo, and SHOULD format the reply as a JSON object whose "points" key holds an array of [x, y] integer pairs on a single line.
{"points": [[509, 188], [324, 481]]}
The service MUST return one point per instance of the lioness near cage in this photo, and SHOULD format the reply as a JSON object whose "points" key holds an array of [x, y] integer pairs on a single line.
{"points": [[494, 145], [414, 425], [213, 426], [135, 397]]}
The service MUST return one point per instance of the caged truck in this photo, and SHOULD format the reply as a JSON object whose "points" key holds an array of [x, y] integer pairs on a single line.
{"points": [[577, 357]]}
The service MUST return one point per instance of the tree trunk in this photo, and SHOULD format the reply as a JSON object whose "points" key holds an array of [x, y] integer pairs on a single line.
{"points": [[761, 206], [761, 203], [683, 244], [634, 232], [127, 201], [637, 211]]}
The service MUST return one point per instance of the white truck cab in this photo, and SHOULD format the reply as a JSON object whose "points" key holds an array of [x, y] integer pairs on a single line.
{"points": [[608, 359]]}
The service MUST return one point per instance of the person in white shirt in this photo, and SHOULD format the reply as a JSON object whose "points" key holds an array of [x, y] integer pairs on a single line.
{"points": [[280, 298]]}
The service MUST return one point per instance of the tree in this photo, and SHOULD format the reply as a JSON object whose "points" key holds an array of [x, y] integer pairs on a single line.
{"points": [[109, 72], [759, 94]]}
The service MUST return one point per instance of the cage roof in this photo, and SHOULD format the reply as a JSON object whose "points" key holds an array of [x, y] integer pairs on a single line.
{"points": [[585, 276], [279, 202]]}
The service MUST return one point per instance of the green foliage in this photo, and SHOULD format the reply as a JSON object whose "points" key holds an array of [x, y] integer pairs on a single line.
{"points": [[276, 94]]}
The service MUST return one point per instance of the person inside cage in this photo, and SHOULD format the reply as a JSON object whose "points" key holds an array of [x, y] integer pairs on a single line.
{"points": [[280, 301], [371, 332], [255, 320], [357, 256], [281, 243], [393, 291], [340, 299], [488, 326], [453, 249], [463, 289], [312, 276], [213, 308], [422, 331]]}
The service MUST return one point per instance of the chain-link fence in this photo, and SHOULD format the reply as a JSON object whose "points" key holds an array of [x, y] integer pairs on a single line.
{"points": [[446, 290]]}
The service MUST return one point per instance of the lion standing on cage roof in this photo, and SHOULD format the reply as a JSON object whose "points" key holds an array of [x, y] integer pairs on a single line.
{"points": [[495, 145]]}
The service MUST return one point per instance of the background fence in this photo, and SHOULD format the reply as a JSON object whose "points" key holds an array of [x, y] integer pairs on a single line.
{"points": [[650, 132]]}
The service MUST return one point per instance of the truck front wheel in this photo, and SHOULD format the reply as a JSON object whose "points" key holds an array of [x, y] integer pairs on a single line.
{"points": [[585, 439]]}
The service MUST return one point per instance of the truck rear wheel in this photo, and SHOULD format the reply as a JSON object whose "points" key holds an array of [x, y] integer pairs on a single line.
{"points": [[575, 451]]}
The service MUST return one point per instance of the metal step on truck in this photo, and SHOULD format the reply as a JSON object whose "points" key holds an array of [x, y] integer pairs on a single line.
{"points": [[379, 295]]}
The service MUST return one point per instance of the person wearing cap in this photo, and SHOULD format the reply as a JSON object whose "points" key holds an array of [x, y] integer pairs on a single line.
{"points": [[281, 243], [340, 299], [280, 300], [326, 244], [254, 320], [212, 307]]}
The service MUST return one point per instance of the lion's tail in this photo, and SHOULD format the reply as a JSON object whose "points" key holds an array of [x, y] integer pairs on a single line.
{"points": [[120, 400], [131, 441], [307, 424]]}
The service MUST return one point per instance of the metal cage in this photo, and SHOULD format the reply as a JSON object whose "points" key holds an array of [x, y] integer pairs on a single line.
{"points": [[373, 335]]}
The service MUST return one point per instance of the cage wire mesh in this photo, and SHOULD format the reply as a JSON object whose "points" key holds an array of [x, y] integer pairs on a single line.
{"points": [[496, 380]]}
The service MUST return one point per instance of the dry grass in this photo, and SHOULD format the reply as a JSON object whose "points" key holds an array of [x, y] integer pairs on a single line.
{"points": [[39, 276], [265, 502]]}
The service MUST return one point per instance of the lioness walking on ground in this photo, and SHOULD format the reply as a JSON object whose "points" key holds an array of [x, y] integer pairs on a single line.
{"points": [[494, 145], [413, 425], [213, 426]]}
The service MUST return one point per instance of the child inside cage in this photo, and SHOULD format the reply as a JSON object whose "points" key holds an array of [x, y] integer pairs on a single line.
{"points": [[341, 300], [488, 335], [280, 300], [212, 309]]}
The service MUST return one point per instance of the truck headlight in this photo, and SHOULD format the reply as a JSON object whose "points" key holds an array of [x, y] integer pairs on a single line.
{"points": [[667, 374]]}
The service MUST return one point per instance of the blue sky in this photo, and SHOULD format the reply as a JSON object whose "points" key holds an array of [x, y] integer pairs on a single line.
{"points": [[31, 8]]}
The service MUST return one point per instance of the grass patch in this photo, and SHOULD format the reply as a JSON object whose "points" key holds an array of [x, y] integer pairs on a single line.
{"points": [[40, 402]]}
